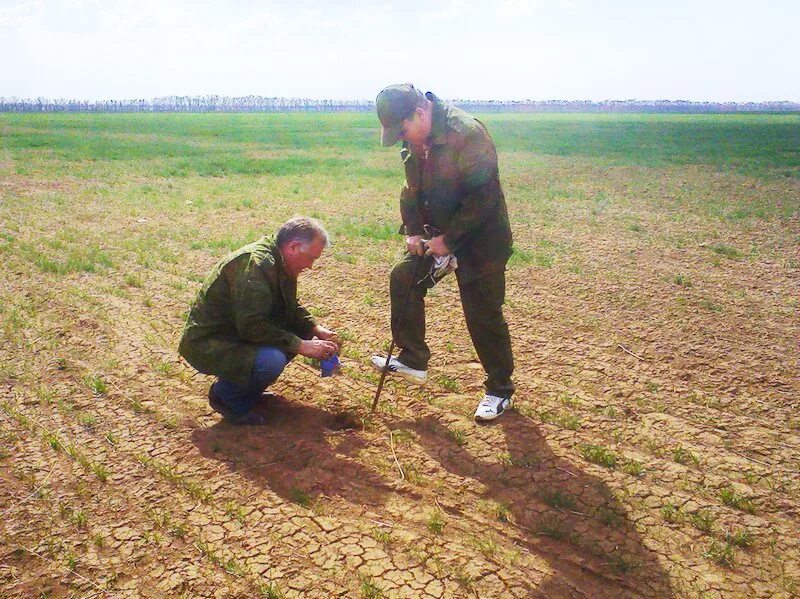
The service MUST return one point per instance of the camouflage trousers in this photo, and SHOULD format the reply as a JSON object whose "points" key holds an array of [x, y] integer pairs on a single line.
{"points": [[482, 300]]}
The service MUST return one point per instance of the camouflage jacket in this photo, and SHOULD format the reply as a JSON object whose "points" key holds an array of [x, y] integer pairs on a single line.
{"points": [[246, 302], [456, 188]]}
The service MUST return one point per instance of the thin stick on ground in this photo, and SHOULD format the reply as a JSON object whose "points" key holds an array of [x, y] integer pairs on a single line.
{"points": [[627, 351], [394, 455]]}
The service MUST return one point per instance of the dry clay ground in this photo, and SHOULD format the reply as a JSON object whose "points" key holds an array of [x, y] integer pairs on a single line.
{"points": [[653, 452]]}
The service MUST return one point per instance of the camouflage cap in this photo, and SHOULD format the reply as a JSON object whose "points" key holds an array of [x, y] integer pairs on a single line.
{"points": [[394, 104]]}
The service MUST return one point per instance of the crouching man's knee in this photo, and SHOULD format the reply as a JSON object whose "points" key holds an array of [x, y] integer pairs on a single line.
{"points": [[269, 365]]}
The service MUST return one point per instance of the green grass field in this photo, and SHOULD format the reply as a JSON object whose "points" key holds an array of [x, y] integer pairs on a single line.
{"points": [[654, 448], [330, 165]]}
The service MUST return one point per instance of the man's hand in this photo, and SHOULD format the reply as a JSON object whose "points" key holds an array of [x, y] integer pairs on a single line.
{"points": [[436, 247], [414, 245], [319, 349], [327, 335]]}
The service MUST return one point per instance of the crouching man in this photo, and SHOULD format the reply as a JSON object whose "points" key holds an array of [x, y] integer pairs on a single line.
{"points": [[245, 325]]}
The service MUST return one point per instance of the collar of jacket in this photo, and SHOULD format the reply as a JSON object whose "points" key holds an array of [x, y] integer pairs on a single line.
{"points": [[438, 120]]}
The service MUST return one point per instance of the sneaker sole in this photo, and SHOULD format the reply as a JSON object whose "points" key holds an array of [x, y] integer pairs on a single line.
{"points": [[409, 378]]}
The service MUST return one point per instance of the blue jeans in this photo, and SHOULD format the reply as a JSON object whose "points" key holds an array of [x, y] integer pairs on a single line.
{"points": [[268, 366]]}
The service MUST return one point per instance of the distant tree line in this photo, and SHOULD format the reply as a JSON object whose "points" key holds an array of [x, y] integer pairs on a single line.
{"points": [[264, 104]]}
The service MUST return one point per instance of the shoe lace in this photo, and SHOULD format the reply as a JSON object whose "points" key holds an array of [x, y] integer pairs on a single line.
{"points": [[490, 401]]}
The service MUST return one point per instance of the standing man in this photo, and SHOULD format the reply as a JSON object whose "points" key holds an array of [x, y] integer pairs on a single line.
{"points": [[452, 196], [246, 325]]}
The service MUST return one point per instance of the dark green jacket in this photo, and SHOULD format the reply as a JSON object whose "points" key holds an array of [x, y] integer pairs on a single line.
{"points": [[457, 190], [246, 302]]}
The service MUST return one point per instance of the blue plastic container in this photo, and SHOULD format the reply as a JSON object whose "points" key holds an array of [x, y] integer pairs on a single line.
{"points": [[329, 366]]}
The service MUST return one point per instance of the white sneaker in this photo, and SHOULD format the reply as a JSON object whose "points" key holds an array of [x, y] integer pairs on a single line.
{"points": [[417, 377], [491, 407]]}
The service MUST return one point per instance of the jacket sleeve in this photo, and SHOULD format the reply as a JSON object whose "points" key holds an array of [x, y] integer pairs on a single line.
{"points": [[409, 196], [477, 172], [253, 301], [303, 322]]}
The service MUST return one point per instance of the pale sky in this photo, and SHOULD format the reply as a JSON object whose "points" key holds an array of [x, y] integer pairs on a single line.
{"points": [[699, 50]]}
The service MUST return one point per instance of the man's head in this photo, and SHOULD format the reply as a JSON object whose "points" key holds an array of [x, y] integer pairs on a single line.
{"points": [[301, 241], [405, 114]]}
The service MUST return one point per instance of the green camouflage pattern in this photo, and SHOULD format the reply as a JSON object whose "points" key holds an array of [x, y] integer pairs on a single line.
{"points": [[456, 189], [247, 301]]}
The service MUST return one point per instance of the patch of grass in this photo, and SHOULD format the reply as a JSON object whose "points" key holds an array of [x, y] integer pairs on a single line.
{"points": [[556, 499], [707, 304], [486, 545], [318, 312], [728, 251], [505, 459], [740, 538], [82, 258], [567, 421], [164, 368], [369, 299], [168, 472], [72, 560], [599, 455], [682, 280], [449, 383], [456, 435], [622, 564], [78, 518], [45, 394], [502, 512], [368, 588], [300, 497], [359, 228], [96, 384], [435, 522], [87, 420], [52, 440], [178, 530], [384, 537], [670, 512], [542, 256], [735, 499], [100, 471], [464, 579], [269, 590], [609, 517], [235, 511], [134, 280], [684, 456], [703, 520], [633, 468], [720, 553]]}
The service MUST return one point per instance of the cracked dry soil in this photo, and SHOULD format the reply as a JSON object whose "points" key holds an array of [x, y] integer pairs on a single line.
{"points": [[653, 450]]}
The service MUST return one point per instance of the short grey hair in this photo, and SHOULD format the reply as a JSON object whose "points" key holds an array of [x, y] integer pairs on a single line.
{"points": [[303, 229]]}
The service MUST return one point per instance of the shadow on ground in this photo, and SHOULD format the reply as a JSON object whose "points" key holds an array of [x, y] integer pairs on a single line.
{"points": [[293, 456], [568, 517]]}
